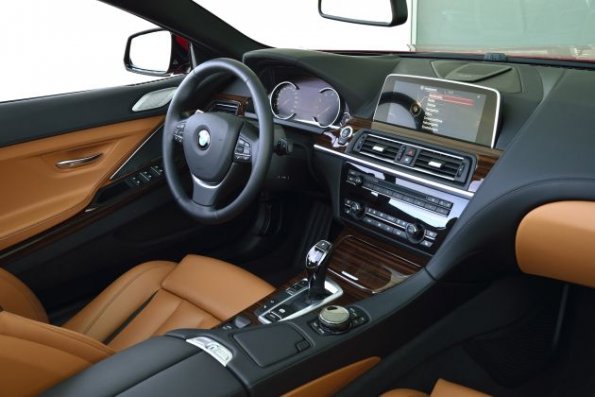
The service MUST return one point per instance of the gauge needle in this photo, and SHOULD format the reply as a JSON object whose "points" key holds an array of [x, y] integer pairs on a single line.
{"points": [[324, 110]]}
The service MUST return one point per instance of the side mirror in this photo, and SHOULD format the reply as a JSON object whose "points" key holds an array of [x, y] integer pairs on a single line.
{"points": [[369, 12], [157, 53]]}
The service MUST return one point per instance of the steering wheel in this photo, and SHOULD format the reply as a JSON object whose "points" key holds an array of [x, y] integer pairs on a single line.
{"points": [[219, 148]]}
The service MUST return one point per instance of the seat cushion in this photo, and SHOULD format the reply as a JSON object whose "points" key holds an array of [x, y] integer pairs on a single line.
{"points": [[442, 388], [35, 355], [114, 305], [157, 297], [17, 298]]}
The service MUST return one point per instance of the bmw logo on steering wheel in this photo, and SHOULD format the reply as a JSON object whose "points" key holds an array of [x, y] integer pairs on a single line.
{"points": [[204, 139]]}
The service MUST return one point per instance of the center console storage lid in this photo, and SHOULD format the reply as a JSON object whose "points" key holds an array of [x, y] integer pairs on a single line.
{"points": [[162, 366]]}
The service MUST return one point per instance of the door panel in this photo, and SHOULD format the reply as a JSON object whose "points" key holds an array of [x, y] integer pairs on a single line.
{"points": [[38, 194]]}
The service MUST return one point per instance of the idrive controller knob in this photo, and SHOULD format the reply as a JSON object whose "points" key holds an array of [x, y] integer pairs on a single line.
{"points": [[335, 319]]}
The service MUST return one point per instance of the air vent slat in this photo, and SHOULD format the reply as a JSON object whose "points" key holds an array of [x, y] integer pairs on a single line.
{"points": [[381, 148], [438, 164], [427, 161], [225, 107]]}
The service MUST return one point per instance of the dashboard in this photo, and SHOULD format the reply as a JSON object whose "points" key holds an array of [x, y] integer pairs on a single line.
{"points": [[421, 189]]}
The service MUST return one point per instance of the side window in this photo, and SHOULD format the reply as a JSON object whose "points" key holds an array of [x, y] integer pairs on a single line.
{"points": [[60, 46]]}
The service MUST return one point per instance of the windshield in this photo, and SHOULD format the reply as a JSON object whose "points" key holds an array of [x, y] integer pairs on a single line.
{"points": [[562, 29]]}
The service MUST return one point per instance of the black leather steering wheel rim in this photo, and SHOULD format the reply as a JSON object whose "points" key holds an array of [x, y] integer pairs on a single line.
{"points": [[261, 150]]}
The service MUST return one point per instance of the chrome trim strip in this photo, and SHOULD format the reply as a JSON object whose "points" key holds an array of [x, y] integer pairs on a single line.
{"points": [[436, 185], [154, 100], [212, 348], [135, 152], [205, 184], [75, 163], [498, 96], [331, 286]]}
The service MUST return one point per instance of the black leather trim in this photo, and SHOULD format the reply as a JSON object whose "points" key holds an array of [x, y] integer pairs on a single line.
{"points": [[36, 118]]}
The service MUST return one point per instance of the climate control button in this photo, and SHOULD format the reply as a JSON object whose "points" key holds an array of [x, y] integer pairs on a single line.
{"points": [[415, 232]]}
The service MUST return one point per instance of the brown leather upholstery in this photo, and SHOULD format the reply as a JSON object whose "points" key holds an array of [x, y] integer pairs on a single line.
{"points": [[34, 356], [200, 292], [16, 297], [150, 299], [556, 241], [100, 318], [442, 388]]}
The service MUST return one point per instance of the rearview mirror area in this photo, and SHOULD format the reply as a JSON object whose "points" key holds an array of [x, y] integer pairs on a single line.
{"points": [[157, 53], [369, 12]]}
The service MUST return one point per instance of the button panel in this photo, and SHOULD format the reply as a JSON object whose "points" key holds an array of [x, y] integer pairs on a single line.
{"points": [[397, 208], [145, 176], [427, 202]]}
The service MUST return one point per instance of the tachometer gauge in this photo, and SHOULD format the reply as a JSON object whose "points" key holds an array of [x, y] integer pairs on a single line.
{"points": [[328, 107], [284, 100]]}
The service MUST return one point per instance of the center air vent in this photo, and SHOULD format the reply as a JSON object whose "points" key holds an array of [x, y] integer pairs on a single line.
{"points": [[437, 163], [379, 147], [440, 164], [224, 106]]}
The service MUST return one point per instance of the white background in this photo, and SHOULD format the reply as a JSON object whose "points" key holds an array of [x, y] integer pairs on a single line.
{"points": [[58, 46]]}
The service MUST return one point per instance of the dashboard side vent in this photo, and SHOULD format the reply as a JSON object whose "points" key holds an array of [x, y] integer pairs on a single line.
{"points": [[439, 164], [224, 106], [380, 148], [449, 166]]}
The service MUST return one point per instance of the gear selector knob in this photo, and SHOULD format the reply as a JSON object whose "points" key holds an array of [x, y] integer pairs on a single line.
{"points": [[316, 264]]}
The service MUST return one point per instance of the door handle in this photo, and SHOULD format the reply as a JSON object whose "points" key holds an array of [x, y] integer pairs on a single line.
{"points": [[66, 164]]}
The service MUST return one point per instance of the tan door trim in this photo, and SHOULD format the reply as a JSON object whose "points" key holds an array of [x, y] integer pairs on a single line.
{"points": [[37, 194]]}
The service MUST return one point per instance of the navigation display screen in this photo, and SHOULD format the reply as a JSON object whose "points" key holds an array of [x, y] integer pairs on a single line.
{"points": [[440, 107]]}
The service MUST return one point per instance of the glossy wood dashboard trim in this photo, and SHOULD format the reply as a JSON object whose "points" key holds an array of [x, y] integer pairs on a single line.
{"points": [[406, 262]]}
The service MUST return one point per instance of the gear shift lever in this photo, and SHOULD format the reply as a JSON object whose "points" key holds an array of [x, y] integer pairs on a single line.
{"points": [[316, 264]]}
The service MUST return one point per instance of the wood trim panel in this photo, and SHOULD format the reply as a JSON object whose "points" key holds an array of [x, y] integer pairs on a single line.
{"points": [[394, 258], [367, 266], [38, 195]]}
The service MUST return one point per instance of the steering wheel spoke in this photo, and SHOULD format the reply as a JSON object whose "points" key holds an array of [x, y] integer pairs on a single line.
{"points": [[247, 144], [178, 132], [203, 193]]}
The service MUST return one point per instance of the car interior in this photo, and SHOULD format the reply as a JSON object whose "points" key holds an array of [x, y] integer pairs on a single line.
{"points": [[266, 221]]}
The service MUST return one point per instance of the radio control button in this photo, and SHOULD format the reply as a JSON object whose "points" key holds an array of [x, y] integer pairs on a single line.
{"points": [[442, 211], [427, 244], [431, 234], [430, 207], [399, 233], [415, 232]]}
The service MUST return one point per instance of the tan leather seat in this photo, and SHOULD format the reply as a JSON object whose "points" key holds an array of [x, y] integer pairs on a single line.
{"points": [[442, 388], [151, 299]]}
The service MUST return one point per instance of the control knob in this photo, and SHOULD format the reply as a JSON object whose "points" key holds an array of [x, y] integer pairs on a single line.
{"points": [[335, 319], [415, 232], [356, 209]]}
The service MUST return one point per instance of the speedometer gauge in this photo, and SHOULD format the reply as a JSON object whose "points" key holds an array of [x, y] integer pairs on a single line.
{"points": [[284, 100], [327, 108]]}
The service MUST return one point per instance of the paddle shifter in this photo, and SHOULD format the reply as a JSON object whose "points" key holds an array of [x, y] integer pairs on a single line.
{"points": [[316, 264]]}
